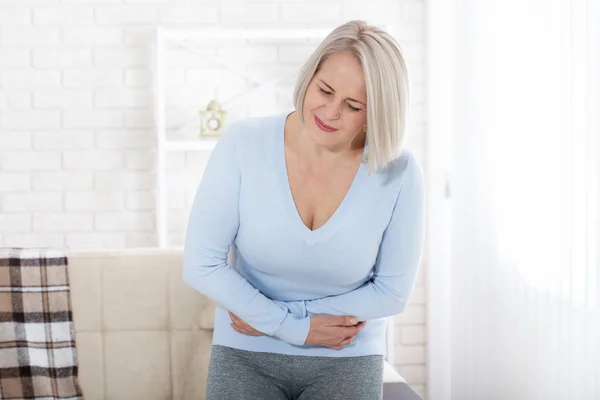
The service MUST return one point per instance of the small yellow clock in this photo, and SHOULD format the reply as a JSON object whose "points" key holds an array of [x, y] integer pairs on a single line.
{"points": [[212, 120]]}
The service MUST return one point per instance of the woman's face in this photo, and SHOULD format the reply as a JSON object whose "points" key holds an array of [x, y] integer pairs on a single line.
{"points": [[336, 101]]}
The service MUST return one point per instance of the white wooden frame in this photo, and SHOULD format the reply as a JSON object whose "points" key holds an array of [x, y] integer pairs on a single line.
{"points": [[178, 36]]}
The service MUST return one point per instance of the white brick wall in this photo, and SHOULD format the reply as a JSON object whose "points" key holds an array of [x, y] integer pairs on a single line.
{"points": [[76, 121]]}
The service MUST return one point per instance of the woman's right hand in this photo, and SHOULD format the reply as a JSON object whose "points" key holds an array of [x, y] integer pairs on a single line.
{"points": [[335, 332]]}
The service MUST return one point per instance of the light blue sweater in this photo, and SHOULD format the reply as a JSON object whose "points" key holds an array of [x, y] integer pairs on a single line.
{"points": [[362, 262]]}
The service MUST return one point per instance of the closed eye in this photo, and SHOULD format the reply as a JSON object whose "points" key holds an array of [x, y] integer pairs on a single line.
{"points": [[325, 92], [328, 93]]}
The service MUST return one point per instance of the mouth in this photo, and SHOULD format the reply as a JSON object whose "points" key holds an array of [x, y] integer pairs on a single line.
{"points": [[323, 126]]}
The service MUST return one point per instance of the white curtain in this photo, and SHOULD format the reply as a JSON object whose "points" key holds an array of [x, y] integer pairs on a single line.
{"points": [[525, 205]]}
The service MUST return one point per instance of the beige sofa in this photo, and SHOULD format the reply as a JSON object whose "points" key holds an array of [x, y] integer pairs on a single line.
{"points": [[141, 332]]}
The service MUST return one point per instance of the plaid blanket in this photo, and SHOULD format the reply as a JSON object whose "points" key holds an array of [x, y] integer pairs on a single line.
{"points": [[38, 359]]}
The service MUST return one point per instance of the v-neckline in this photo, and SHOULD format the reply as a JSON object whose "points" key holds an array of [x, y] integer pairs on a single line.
{"points": [[327, 229]]}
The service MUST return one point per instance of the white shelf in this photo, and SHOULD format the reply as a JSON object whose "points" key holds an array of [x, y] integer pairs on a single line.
{"points": [[190, 145]]}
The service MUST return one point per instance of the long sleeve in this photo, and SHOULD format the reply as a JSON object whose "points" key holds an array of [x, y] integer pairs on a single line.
{"points": [[212, 228], [397, 263]]}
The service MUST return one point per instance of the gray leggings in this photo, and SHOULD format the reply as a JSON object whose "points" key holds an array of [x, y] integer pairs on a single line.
{"points": [[246, 375]]}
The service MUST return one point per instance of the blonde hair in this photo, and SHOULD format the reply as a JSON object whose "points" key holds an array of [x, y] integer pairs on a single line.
{"points": [[386, 82]]}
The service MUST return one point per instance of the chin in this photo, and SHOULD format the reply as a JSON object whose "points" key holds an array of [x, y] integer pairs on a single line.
{"points": [[323, 138]]}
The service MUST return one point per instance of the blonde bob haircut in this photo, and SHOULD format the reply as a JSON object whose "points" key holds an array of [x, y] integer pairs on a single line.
{"points": [[386, 83]]}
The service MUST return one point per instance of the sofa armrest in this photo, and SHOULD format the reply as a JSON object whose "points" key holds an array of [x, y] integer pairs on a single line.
{"points": [[206, 313]]}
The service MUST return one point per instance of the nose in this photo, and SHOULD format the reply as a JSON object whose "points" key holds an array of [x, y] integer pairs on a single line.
{"points": [[332, 111]]}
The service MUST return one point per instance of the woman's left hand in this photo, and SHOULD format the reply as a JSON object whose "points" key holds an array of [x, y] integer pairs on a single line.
{"points": [[242, 327]]}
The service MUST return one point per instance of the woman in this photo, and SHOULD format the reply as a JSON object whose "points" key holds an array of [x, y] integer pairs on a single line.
{"points": [[323, 212]]}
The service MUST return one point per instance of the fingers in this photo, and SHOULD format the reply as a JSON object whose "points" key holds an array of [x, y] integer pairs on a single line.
{"points": [[239, 322], [235, 319], [348, 331], [245, 331], [334, 332], [242, 327], [344, 320], [352, 330], [349, 321], [347, 341]]}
